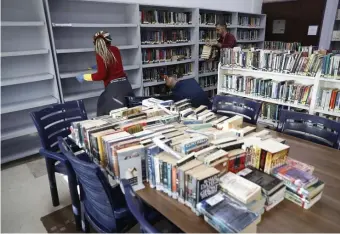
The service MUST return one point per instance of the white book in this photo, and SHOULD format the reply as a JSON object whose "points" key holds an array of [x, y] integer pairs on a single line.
{"points": [[157, 177], [240, 188]]}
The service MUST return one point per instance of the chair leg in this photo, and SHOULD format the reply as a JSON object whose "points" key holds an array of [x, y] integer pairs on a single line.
{"points": [[50, 166], [85, 225], [72, 184]]}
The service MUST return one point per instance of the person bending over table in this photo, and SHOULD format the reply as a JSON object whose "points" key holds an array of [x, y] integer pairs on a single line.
{"points": [[189, 89], [111, 72]]}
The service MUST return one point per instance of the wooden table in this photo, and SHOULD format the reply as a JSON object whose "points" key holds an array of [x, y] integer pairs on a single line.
{"points": [[324, 216]]}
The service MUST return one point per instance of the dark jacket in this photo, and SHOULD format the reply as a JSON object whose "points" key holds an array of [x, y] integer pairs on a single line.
{"points": [[190, 89]]}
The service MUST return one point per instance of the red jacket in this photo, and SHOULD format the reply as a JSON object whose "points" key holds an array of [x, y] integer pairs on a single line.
{"points": [[228, 41], [114, 71]]}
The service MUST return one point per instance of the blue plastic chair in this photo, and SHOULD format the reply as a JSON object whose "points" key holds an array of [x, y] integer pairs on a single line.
{"points": [[103, 206], [145, 215], [310, 127], [233, 105], [52, 122], [136, 207]]}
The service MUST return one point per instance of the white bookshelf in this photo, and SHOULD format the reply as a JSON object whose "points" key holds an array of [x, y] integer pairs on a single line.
{"points": [[72, 26], [317, 82], [28, 79]]}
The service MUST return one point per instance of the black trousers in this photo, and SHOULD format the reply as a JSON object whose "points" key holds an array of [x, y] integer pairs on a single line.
{"points": [[113, 96]]}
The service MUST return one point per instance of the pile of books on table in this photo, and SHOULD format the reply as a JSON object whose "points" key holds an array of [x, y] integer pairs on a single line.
{"points": [[303, 188], [228, 173]]}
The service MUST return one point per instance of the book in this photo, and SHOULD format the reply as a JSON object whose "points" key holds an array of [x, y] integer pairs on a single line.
{"points": [[240, 188], [300, 165], [294, 177], [304, 203], [188, 182], [130, 165], [227, 213], [270, 154], [237, 160], [275, 198], [205, 185], [181, 169], [268, 183]]}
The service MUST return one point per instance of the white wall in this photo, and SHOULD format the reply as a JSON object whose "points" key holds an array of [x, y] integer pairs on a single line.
{"points": [[249, 6]]}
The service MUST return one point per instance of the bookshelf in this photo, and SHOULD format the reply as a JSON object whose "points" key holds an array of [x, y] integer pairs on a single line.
{"points": [[72, 25], [28, 72], [318, 84]]}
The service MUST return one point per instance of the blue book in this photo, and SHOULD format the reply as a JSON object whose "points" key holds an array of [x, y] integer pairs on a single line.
{"points": [[227, 213], [152, 151]]}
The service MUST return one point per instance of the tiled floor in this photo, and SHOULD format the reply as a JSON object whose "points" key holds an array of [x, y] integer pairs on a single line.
{"points": [[25, 196]]}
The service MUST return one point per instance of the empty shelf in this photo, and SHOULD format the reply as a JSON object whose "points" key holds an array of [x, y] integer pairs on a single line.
{"points": [[22, 23], [18, 131], [81, 25], [27, 104], [167, 25], [209, 88], [328, 112], [167, 63], [18, 155], [167, 45], [64, 75], [26, 79], [80, 50], [23, 53], [83, 95]]}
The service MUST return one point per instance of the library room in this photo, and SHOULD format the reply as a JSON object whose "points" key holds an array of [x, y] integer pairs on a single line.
{"points": [[180, 116]]}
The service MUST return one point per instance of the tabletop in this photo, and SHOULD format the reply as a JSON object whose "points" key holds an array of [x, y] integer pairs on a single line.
{"points": [[324, 216]]}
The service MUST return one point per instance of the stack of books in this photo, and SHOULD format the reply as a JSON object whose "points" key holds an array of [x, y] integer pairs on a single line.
{"points": [[286, 91], [165, 36], [164, 17], [156, 73], [330, 66], [273, 189], [249, 21], [298, 63], [213, 18], [248, 34], [303, 188], [245, 191], [165, 55], [207, 66], [329, 99], [227, 215], [280, 45]]}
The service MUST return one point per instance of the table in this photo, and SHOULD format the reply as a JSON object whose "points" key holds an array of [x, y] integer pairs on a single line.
{"points": [[324, 216]]}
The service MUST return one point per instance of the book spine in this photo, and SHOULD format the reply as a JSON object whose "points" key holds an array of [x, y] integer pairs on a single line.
{"points": [[161, 175], [165, 177], [267, 168], [169, 170], [157, 174], [174, 182], [151, 169], [262, 160], [188, 190], [181, 186]]}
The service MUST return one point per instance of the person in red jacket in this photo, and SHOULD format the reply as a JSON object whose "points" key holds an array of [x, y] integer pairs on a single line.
{"points": [[110, 71], [225, 40]]}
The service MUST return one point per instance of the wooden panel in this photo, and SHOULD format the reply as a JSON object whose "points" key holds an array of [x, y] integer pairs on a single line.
{"points": [[298, 15]]}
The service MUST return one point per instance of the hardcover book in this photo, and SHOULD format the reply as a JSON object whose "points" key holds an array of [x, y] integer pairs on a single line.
{"points": [[227, 213], [241, 189], [268, 183]]}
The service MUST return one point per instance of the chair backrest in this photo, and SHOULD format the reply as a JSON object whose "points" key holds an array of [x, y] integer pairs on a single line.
{"points": [[137, 101], [310, 127], [233, 105], [95, 191], [54, 121], [136, 207]]}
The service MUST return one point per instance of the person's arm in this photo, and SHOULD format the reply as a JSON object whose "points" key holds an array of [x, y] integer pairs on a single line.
{"points": [[101, 72]]}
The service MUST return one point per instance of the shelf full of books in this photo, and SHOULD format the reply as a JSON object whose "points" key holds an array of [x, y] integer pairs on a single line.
{"points": [[200, 160], [303, 80]]}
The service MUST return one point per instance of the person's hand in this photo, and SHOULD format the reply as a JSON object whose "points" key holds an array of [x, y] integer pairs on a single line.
{"points": [[94, 67], [80, 78]]}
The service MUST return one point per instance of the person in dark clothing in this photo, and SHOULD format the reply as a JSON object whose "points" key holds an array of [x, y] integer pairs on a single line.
{"points": [[226, 40], [189, 89]]}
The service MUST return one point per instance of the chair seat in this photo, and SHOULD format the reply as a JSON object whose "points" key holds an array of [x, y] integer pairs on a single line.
{"points": [[60, 168], [121, 213]]}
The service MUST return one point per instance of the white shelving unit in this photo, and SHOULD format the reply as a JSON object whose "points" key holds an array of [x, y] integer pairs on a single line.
{"points": [[28, 80], [72, 26], [317, 82]]}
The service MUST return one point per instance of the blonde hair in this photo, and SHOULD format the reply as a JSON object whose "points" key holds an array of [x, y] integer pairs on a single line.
{"points": [[102, 41]]}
